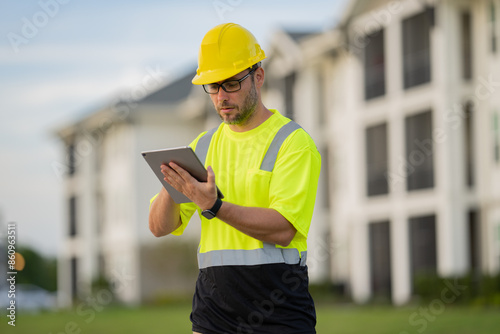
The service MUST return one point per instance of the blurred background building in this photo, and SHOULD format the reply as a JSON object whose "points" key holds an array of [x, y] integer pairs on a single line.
{"points": [[416, 144], [402, 100], [108, 186]]}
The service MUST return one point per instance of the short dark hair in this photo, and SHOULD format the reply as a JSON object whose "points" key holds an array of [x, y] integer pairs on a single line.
{"points": [[253, 68]]}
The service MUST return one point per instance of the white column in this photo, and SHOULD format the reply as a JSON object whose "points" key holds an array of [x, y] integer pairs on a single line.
{"points": [[400, 258]]}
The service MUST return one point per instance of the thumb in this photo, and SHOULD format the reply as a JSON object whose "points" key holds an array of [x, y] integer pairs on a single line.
{"points": [[210, 176]]}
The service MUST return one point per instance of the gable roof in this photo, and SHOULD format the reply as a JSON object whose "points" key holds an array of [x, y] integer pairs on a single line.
{"points": [[173, 92], [297, 36], [357, 7]]}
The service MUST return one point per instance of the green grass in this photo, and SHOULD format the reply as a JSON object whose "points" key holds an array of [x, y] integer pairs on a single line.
{"points": [[407, 320], [331, 320], [170, 319]]}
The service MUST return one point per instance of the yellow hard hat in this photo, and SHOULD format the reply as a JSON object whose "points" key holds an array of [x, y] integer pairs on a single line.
{"points": [[226, 50]]}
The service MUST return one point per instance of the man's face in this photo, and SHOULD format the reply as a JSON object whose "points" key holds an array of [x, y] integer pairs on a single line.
{"points": [[236, 108]]}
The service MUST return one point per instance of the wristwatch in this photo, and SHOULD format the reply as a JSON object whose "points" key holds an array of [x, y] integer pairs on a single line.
{"points": [[212, 212]]}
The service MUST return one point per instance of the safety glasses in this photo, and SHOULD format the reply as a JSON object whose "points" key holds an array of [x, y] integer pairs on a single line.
{"points": [[228, 86]]}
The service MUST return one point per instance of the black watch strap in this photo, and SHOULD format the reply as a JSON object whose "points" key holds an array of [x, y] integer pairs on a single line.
{"points": [[216, 207], [212, 212]]}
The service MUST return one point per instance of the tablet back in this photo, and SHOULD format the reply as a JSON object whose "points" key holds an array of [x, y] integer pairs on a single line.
{"points": [[184, 157]]}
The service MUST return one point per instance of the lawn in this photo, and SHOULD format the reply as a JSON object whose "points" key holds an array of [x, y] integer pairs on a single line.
{"points": [[331, 319]]}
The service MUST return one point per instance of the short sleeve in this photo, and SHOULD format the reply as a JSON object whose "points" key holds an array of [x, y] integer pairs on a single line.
{"points": [[187, 209], [294, 182]]}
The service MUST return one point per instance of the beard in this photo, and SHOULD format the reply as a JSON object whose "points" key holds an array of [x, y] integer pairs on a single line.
{"points": [[240, 115]]}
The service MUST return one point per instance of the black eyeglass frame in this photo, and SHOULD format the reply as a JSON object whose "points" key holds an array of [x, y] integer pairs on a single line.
{"points": [[232, 81]]}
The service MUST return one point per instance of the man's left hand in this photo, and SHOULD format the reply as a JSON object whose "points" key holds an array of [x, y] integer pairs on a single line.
{"points": [[203, 194]]}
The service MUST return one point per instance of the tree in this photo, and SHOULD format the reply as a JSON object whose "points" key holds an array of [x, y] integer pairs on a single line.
{"points": [[38, 271]]}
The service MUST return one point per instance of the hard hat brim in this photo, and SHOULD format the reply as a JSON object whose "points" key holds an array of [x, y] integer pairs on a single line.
{"points": [[208, 77]]}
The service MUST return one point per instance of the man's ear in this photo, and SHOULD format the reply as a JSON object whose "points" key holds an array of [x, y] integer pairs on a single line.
{"points": [[259, 77]]}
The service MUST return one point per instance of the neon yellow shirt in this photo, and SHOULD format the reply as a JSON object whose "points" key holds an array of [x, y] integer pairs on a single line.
{"points": [[290, 188]]}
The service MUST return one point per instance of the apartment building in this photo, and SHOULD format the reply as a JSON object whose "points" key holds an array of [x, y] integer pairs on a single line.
{"points": [[402, 100]]}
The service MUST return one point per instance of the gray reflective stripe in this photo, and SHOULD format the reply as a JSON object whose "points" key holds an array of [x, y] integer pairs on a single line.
{"points": [[250, 257], [272, 152], [203, 145]]}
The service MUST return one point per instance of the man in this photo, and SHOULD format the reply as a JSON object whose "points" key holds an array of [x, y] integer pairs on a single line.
{"points": [[252, 252]]}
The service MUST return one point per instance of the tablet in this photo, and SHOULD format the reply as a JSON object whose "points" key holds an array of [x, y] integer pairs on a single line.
{"points": [[184, 157]]}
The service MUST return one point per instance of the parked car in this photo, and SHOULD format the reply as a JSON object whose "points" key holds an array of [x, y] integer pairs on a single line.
{"points": [[28, 297]]}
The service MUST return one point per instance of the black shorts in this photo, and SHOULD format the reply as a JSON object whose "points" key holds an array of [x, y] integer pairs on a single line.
{"points": [[270, 298]]}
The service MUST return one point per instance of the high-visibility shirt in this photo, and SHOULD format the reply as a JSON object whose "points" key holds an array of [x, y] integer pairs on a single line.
{"points": [[289, 188]]}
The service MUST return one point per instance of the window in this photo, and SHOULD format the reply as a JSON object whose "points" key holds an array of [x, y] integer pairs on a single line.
{"points": [[493, 32], [416, 50], [469, 144], [380, 258], [72, 216], [376, 160], [419, 151], [289, 86], [496, 137], [321, 96], [325, 178], [74, 277], [101, 263], [100, 211], [71, 159], [474, 241], [374, 63], [466, 27], [423, 253]]}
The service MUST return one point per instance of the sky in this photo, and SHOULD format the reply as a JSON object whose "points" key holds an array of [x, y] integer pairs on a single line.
{"points": [[62, 59]]}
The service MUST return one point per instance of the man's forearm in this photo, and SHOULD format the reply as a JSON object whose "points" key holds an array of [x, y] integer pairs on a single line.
{"points": [[164, 215], [264, 224]]}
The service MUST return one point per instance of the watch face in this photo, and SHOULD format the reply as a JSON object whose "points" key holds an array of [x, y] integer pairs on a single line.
{"points": [[208, 214]]}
